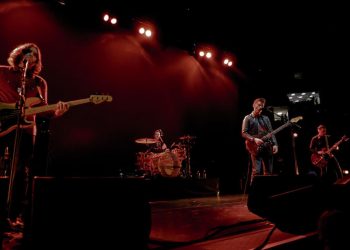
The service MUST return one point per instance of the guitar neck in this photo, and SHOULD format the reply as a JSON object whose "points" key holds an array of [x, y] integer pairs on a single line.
{"points": [[275, 131], [334, 146], [51, 107]]}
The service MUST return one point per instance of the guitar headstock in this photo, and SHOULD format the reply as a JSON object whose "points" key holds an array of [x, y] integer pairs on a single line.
{"points": [[345, 138], [97, 99], [296, 119]]}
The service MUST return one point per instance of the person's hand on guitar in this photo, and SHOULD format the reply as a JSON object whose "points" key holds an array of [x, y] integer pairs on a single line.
{"points": [[274, 149], [258, 141], [323, 153], [61, 108]]}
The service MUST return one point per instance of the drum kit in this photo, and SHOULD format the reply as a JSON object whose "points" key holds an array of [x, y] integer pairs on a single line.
{"points": [[167, 163]]}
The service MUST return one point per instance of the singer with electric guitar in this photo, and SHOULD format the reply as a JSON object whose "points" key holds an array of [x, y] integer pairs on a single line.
{"points": [[323, 160], [254, 127]]}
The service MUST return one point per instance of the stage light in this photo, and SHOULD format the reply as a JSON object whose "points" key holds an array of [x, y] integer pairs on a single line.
{"points": [[109, 18], [228, 62], [113, 20], [204, 51], [208, 55], [145, 32], [304, 97], [142, 30], [105, 17], [148, 33]]}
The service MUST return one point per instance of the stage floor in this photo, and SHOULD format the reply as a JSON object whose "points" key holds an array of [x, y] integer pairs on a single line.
{"points": [[221, 222]]}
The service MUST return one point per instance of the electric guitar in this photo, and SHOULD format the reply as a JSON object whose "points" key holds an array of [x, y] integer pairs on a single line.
{"points": [[9, 112], [266, 147], [322, 160]]}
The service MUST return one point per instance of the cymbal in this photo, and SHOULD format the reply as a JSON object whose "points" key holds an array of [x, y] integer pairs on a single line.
{"points": [[146, 140], [187, 137]]}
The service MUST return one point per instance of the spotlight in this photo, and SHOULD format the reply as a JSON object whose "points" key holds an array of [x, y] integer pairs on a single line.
{"points": [[205, 52], [113, 20], [105, 17], [142, 30]]}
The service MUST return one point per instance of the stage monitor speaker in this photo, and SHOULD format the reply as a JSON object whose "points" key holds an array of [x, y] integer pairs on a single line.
{"points": [[292, 203], [88, 213], [4, 182], [3, 205]]}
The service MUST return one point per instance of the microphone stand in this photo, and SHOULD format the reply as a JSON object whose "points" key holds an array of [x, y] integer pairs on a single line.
{"points": [[15, 155], [283, 119]]}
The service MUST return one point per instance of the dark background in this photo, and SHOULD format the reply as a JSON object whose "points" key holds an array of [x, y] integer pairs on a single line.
{"points": [[278, 49]]}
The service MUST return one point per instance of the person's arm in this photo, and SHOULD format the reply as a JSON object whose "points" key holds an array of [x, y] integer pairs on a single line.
{"points": [[245, 129], [312, 146], [61, 107]]}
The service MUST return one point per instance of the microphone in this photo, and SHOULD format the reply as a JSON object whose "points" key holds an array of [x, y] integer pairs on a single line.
{"points": [[26, 63], [268, 109]]}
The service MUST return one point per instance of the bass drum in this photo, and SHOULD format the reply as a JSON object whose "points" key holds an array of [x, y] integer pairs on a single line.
{"points": [[169, 164]]}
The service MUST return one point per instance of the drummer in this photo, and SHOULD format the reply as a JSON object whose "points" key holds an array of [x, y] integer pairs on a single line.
{"points": [[160, 145]]}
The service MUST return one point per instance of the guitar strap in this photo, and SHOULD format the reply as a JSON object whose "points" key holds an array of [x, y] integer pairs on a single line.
{"points": [[326, 140], [263, 123], [40, 93]]}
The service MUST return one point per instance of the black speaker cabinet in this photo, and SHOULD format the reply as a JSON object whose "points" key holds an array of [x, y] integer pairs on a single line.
{"points": [[88, 213], [293, 203]]}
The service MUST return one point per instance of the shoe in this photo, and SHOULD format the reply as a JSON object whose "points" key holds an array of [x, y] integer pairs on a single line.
{"points": [[15, 226], [18, 223]]}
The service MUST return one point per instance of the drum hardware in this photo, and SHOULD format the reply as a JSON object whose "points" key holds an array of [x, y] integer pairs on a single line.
{"points": [[187, 140], [187, 137]]}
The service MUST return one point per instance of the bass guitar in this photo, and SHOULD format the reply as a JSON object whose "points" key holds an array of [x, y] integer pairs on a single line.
{"points": [[321, 160], [265, 147], [9, 112]]}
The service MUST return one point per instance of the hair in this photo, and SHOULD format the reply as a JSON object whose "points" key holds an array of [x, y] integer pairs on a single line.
{"points": [[17, 55], [260, 99], [160, 132]]}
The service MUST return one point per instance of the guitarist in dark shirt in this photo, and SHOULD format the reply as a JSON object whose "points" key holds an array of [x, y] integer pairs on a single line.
{"points": [[255, 126], [325, 164]]}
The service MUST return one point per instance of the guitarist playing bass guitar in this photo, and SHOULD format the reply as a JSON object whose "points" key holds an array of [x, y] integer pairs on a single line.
{"points": [[325, 163], [20, 81], [254, 127]]}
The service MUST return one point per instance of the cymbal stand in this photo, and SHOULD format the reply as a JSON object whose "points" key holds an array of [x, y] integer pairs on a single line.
{"points": [[188, 170]]}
